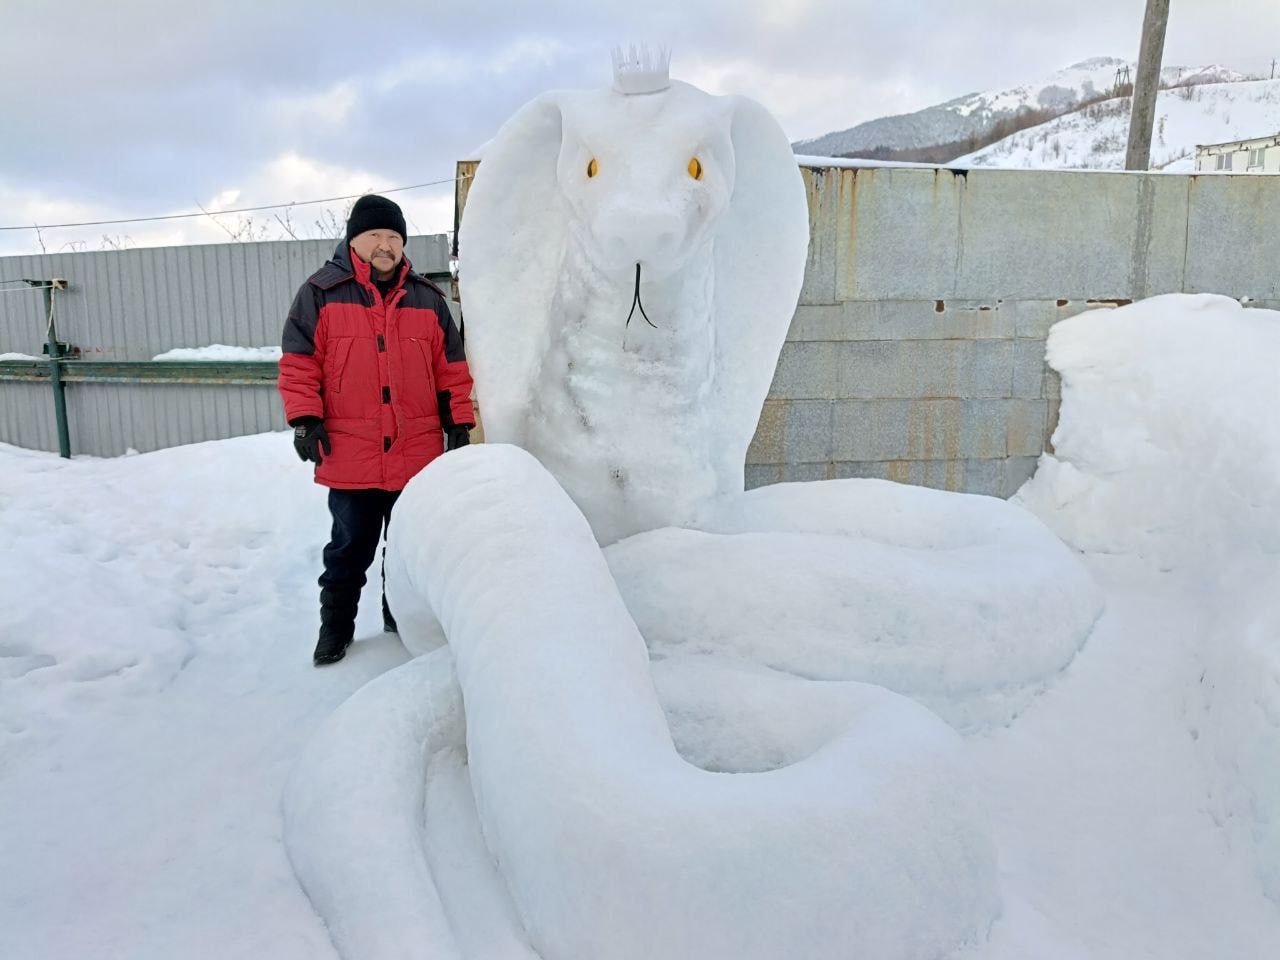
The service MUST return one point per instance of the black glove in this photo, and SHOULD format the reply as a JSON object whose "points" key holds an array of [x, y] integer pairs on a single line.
{"points": [[459, 436], [309, 437]]}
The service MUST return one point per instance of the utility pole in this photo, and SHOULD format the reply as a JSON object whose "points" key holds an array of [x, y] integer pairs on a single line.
{"points": [[1147, 85]]}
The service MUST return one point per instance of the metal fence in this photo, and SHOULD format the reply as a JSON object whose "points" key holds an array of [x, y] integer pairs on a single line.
{"points": [[122, 308]]}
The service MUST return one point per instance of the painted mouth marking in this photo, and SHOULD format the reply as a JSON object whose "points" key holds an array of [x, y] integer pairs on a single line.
{"points": [[635, 302]]}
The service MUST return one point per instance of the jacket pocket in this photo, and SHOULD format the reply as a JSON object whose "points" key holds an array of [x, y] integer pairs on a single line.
{"points": [[418, 390], [424, 349], [353, 380], [335, 363]]}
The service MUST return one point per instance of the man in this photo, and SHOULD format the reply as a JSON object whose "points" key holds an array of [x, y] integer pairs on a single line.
{"points": [[374, 381]]}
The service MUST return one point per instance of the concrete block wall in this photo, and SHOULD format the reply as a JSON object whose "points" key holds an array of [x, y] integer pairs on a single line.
{"points": [[951, 394], [917, 351]]}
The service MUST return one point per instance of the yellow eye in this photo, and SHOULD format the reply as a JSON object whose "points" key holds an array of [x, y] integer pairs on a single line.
{"points": [[592, 167], [695, 168]]}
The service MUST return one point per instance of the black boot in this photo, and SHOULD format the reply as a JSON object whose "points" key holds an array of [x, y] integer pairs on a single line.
{"points": [[337, 626], [388, 621]]}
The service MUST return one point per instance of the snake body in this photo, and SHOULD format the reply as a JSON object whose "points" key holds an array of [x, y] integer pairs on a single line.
{"points": [[609, 842]]}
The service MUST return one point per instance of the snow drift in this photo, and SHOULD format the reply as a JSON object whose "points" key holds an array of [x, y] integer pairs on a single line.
{"points": [[1168, 449]]}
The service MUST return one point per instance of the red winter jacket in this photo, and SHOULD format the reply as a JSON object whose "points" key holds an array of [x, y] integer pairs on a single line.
{"points": [[377, 371]]}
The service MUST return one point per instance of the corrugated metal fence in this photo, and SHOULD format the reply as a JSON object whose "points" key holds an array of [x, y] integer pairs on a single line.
{"points": [[137, 304]]}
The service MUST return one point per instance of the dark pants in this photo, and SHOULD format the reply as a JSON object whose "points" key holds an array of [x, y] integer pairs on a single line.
{"points": [[359, 519]]}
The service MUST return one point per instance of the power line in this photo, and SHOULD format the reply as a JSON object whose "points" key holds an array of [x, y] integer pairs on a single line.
{"points": [[214, 213]]}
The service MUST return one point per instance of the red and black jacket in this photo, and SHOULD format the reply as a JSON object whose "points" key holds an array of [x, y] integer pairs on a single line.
{"points": [[376, 370]]}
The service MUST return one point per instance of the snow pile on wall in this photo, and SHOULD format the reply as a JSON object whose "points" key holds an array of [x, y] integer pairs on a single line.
{"points": [[219, 351], [1168, 445], [1168, 448]]}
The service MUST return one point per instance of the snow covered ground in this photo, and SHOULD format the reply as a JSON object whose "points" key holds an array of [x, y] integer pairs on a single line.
{"points": [[155, 687], [157, 614]]}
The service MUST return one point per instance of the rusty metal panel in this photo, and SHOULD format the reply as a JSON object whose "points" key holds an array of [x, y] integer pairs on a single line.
{"points": [[825, 195], [466, 171], [897, 234]]}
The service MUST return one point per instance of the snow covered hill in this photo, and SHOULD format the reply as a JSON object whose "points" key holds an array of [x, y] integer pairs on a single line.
{"points": [[977, 113], [1095, 136]]}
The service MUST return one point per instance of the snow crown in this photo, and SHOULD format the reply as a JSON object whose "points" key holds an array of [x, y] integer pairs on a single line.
{"points": [[636, 71]]}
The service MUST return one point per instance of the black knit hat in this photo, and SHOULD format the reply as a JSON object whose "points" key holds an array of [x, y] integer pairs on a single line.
{"points": [[372, 212]]}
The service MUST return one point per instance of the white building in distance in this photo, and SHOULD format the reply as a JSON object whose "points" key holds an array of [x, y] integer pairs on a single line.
{"points": [[1260, 155]]}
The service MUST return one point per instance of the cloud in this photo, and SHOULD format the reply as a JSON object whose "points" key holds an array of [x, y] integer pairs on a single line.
{"points": [[141, 107], [814, 102], [326, 110], [289, 175]]}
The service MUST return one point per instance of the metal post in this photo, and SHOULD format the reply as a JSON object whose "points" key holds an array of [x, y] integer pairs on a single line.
{"points": [[1147, 85], [55, 364]]}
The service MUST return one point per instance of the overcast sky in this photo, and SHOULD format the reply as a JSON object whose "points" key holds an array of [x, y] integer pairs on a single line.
{"points": [[120, 109]]}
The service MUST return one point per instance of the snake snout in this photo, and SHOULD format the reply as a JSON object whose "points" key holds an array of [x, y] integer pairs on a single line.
{"points": [[648, 237]]}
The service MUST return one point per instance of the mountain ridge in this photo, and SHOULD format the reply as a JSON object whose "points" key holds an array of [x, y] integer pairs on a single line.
{"points": [[974, 116]]}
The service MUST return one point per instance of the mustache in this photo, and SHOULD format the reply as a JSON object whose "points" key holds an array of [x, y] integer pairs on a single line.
{"points": [[635, 302]]}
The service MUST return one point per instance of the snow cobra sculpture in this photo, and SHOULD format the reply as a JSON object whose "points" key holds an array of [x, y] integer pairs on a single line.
{"points": [[549, 786]]}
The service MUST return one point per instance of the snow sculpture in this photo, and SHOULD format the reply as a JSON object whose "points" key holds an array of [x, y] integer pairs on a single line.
{"points": [[589, 205], [631, 259], [631, 264]]}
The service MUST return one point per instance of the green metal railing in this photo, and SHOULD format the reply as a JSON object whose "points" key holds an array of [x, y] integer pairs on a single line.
{"points": [[142, 371], [55, 352]]}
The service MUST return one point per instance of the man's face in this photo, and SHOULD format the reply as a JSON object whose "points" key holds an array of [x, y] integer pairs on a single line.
{"points": [[382, 249]]}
